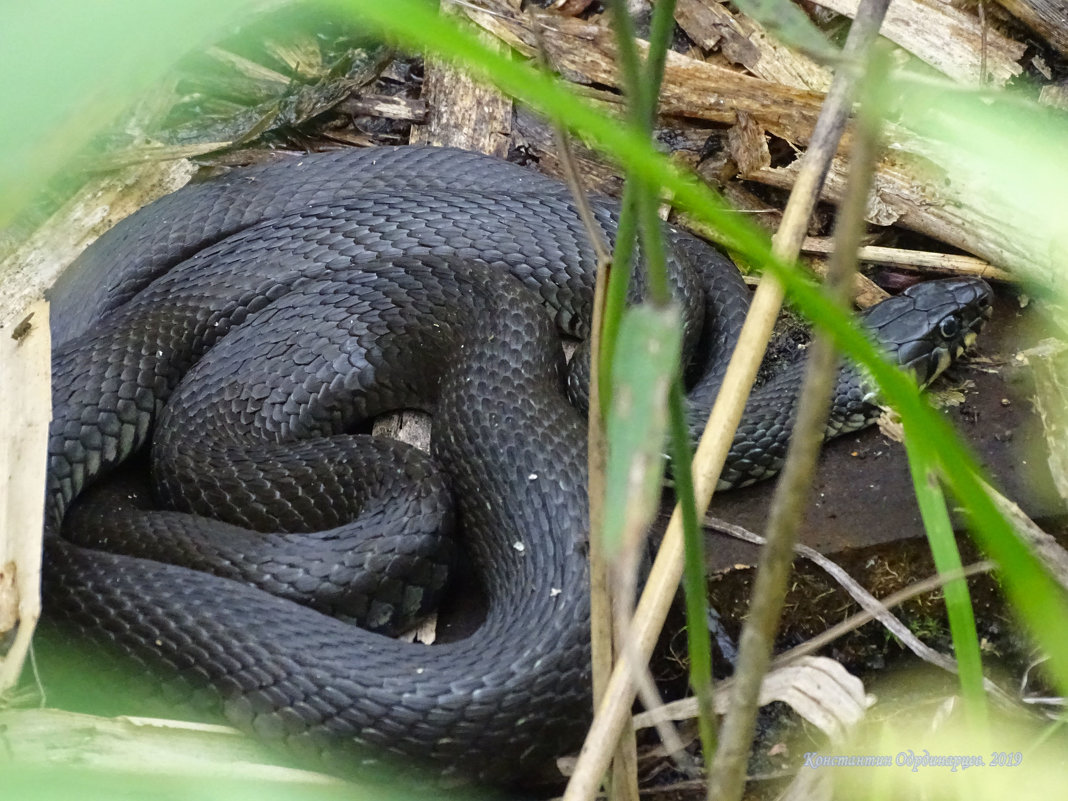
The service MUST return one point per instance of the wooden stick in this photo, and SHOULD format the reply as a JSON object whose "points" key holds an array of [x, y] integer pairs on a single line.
{"points": [[917, 260]]}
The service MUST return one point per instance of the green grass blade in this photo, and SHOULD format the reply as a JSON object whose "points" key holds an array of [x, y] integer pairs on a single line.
{"points": [[924, 468]]}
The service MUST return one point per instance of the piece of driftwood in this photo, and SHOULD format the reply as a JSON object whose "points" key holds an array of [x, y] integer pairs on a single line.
{"points": [[1049, 18], [951, 40]]}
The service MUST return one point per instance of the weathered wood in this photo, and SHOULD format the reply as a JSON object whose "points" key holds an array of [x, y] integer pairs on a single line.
{"points": [[586, 52], [711, 25], [949, 39], [392, 107], [914, 193], [25, 363], [1049, 18], [25, 397], [748, 145], [30, 269], [745, 42], [460, 113], [909, 190]]}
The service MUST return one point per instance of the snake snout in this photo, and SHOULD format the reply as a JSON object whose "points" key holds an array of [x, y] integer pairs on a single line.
{"points": [[930, 325]]}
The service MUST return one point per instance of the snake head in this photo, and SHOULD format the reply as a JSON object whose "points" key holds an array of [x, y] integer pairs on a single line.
{"points": [[929, 325]]}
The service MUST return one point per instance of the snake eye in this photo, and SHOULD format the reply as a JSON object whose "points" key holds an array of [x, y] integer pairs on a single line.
{"points": [[949, 327]]}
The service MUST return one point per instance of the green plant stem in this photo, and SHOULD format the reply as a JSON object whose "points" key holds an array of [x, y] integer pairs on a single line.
{"points": [[698, 640], [616, 293]]}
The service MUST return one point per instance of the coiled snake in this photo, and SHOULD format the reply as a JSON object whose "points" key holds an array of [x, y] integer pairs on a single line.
{"points": [[249, 327]]}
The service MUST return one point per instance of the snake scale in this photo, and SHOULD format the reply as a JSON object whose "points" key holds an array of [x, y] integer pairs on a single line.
{"points": [[248, 328]]}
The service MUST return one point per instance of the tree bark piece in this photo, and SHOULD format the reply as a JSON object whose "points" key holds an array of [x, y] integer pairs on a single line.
{"points": [[462, 113]]}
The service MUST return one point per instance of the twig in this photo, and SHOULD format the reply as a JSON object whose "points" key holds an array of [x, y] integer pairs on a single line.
{"points": [[918, 260], [875, 608], [727, 776], [718, 435], [866, 616], [686, 708], [1045, 546]]}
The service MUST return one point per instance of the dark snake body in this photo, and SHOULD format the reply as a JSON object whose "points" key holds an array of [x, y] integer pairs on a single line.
{"points": [[253, 323]]}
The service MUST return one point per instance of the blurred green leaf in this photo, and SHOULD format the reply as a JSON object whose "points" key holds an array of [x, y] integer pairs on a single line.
{"points": [[932, 502], [646, 363], [71, 67], [1012, 155]]}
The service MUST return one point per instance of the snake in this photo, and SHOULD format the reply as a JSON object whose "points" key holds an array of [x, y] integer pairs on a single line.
{"points": [[238, 337]]}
